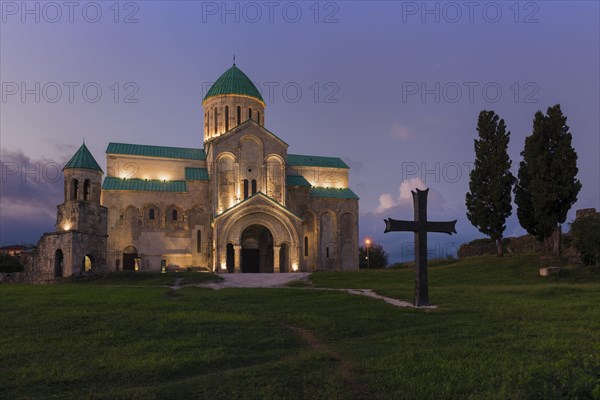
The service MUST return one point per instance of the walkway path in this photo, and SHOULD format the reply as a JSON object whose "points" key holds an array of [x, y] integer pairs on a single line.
{"points": [[256, 280], [280, 280]]}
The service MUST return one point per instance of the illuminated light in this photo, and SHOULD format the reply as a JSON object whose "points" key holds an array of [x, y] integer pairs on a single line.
{"points": [[223, 266], [295, 267], [67, 226]]}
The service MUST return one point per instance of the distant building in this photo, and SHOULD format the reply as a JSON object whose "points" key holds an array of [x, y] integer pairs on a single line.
{"points": [[12, 250], [241, 203]]}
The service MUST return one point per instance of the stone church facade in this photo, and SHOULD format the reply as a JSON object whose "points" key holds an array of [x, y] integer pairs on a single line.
{"points": [[241, 203]]}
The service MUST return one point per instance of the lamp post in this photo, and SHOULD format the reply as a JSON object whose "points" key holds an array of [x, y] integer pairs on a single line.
{"points": [[368, 243]]}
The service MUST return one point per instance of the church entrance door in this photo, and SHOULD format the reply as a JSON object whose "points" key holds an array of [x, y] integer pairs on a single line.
{"points": [[257, 249], [129, 255]]}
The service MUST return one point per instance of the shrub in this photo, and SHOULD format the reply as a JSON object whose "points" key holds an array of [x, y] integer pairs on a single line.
{"points": [[586, 237], [10, 264]]}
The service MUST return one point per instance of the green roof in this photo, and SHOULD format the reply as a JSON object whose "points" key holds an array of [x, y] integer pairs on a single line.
{"points": [[156, 151], [332, 193], [146, 185], [297, 160], [234, 81], [196, 174], [83, 159], [297, 180]]}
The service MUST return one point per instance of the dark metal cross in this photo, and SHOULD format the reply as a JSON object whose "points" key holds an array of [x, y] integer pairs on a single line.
{"points": [[420, 226]]}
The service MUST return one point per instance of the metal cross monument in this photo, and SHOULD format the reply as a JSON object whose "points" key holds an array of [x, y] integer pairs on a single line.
{"points": [[420, 226]]}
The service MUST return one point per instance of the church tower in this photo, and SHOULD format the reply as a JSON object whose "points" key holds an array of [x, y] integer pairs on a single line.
{"points": [[231, 100], [78, 244]]}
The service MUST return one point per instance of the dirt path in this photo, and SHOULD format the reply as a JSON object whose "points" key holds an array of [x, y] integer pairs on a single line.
{"points": [[280, 280], [357, 387]]}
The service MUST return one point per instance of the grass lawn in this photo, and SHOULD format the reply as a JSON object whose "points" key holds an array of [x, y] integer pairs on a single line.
{"points": [[500, 332]]}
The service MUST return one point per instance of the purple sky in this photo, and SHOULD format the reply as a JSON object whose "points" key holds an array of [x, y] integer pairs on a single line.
{"points": [[394, 88]]}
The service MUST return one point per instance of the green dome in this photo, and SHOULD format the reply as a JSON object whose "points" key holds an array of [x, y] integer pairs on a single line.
{"points": [[234, 81]]}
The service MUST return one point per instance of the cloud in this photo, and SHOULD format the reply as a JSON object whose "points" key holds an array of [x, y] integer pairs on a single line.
{"points": [[404, 198], [31, 189]]}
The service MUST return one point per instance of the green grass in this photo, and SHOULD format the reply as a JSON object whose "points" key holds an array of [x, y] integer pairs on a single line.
{"points": [[500, 332]]}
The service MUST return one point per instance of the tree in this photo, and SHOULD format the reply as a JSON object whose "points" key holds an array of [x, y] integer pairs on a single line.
{"points": [[378, 258], [547, 186], [489, 201]]}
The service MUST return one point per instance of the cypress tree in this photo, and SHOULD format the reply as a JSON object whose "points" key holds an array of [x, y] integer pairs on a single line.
{"points": [[547, 184], [489, 198]]}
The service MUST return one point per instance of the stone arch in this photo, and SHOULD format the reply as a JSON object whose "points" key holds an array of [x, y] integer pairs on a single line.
{"points": [[59, 260], [275, 177], [87, 190], [130, 255], [174, 217], [348, 241], [257, 251], [280, 226], [74, 189], [251, 160], [309, 239], [87, 263], [327, 229], [151, 215], [225, 181]]}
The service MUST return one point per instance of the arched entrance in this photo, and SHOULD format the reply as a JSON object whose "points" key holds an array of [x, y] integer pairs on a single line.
{"points": [[58, 263], [257, 249], [87, 263], [129, 255]]}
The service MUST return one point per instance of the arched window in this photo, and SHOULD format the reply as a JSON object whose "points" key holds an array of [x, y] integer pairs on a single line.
{"points": [[74, 189], [239, 115], [86, 189], [258, 117], [226, 118], [151, 214], [216, 118], [249, 112], [174, 215], [305, 246], [198, 241], [253, 186], [245, 188], [327, 251]]}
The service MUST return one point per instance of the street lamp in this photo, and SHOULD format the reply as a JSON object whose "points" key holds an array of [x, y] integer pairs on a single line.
{"points": [[368, 243]]}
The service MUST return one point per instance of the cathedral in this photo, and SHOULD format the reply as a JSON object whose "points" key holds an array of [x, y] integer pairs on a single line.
{"points": [[240, 203]]}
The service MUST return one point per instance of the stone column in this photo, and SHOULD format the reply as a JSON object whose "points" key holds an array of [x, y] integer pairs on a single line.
{"points": [[237, 266], [276, 249]]}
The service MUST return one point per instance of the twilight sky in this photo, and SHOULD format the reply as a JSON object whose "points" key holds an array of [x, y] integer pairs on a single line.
{"points": [[394, 88]]}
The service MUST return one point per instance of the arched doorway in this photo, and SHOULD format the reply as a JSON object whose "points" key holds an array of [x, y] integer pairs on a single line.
{"points": [[129, 255], [257, 249], [58, 263], [230, 260], [87, 263]]}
